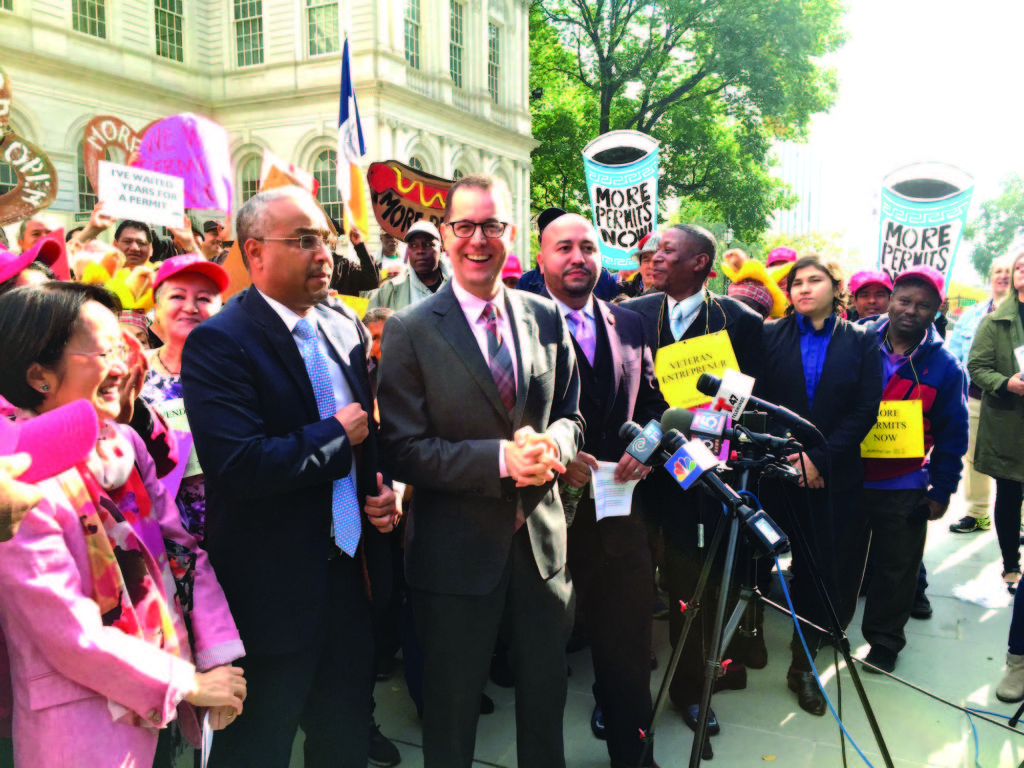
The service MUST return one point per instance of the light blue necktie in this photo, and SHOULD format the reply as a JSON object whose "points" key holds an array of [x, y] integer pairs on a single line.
{"points": [[344, 501], [676, 321]]}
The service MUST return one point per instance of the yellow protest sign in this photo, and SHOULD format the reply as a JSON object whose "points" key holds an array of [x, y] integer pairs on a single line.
{"points": [[898, 433], [679, 365], [358, 303]]}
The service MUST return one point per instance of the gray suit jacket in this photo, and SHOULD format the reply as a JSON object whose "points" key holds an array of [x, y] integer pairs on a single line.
{"points": [[441, 424]]}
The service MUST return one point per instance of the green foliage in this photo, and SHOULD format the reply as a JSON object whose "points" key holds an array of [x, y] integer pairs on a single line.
{"points": [[715, 81], [996, 227]]}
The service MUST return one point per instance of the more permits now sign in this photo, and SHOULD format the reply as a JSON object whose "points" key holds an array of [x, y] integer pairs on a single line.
{"points": [[898, 433], [622, 178], [923, 215], [148, 196]]}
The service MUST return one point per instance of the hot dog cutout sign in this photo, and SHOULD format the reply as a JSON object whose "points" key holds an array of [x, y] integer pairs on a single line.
{"points": [[402, 195]]}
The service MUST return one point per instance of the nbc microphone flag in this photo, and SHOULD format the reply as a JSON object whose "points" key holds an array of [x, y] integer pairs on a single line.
{"points": [[351, 148]]}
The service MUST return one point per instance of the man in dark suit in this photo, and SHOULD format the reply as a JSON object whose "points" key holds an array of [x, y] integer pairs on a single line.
{"points": [[609, 559], [684, 309], [277, 394], [478, 398]]}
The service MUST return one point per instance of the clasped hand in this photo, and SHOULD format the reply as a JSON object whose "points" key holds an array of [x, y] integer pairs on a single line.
{"points": [[532, 458]]}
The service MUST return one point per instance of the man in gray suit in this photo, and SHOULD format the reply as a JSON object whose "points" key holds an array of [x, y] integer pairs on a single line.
{"points": [[479, 399]]}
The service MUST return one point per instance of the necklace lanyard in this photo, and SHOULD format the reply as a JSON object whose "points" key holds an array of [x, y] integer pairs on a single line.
{"points": [[663, 312]]}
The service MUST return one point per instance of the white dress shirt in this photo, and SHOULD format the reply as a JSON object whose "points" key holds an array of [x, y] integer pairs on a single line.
{"points": [[343, 394], [690, 306], [472, 307]]}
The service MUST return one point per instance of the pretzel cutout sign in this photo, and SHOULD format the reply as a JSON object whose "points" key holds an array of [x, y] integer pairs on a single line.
{"points": [[104, 132], [37, 178]]}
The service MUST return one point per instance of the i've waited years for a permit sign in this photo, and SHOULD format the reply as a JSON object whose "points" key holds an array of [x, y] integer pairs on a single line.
{"points": [[131, 193]]}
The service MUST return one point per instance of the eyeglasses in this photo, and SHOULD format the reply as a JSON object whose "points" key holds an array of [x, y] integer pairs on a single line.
{"points": [[306, 242], [120, 353], [491, 229]]}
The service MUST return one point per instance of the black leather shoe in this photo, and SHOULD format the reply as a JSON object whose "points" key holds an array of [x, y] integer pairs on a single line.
{"points": [[757, 653], [734, 679], [922, 608], [486, 704], [808, 694], [597, 723], [691, 715]]}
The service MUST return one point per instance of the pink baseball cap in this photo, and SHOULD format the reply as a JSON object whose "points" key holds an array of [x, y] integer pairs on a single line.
{"points": [[869, 277], [781, 255], [47, 249], [930, 275], [512, 268], [192, 262], [56, 441]]}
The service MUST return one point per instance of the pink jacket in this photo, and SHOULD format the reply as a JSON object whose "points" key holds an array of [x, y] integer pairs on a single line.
{"points": [[65, 664]]}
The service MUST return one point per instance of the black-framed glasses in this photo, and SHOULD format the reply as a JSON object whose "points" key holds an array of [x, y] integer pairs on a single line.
{"points": [[466, 228], [306, 242]]}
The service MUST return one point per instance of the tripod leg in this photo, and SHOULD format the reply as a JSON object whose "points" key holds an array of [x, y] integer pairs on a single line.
{"points": [[694, 606], [713, 662]]}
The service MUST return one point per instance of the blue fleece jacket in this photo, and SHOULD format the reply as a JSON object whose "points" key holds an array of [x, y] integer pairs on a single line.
{"points": [[934, 376]]}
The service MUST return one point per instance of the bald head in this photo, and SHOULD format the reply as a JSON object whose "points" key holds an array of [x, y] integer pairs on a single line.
{"points": [[569, 259], [33, 229]]}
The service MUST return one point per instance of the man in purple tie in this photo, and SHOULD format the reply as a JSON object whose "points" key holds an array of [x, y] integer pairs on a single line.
{"points": [[609, 559], [478, 396]]}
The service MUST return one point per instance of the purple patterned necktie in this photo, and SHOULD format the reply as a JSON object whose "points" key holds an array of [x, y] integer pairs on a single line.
{"points": [[499, 360], [584, 336]]}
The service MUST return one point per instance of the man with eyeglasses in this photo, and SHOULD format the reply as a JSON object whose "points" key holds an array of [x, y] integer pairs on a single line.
{"points": [[479, 402], [426, 273], [278, 397]]}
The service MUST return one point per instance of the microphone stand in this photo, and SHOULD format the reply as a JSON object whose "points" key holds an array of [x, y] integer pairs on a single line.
{"points": [[737, 514]]}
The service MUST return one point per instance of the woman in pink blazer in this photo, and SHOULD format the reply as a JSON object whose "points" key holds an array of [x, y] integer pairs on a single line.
{"points": [[101, 653]]}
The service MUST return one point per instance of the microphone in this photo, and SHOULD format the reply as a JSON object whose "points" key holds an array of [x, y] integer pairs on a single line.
{"points": [[643, 442], [711, 385], [703, 424], [656, 451], [692, 462]]}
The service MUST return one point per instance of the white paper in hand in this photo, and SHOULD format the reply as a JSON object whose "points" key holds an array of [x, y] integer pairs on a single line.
{"points": [[207, 740], [1019, 354], [611, 499]]}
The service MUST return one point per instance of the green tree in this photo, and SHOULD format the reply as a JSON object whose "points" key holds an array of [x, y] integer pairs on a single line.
{"points": [[998, 224], [715, 81]]}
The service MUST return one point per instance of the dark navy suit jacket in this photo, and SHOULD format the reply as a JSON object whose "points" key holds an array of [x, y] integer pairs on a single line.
{"points": [[269, 462]]}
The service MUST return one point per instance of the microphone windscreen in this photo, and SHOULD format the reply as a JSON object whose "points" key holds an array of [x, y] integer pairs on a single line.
{"points": [[709, 384], [677, 418]]}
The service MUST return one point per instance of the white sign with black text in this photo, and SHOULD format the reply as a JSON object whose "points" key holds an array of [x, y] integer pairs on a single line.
{"points": [[147, 196]]}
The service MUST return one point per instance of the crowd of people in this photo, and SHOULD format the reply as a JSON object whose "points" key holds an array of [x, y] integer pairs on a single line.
{"points": [[233, 514]]}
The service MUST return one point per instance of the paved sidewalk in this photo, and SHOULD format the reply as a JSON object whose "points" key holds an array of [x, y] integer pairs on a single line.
{"points": [[957, 654]]}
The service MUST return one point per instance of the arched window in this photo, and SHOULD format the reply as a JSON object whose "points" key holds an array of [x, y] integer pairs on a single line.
{"points": [[416, 162], [8, 178], [457, 174], [325, 171], [249, 179], [87, 197]]}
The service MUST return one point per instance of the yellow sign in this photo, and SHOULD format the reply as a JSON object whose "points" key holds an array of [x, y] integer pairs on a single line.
{"points": [[898, 433], [358, 303], [679, 365]]}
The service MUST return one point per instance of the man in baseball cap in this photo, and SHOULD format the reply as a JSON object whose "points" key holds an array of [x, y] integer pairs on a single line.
{"points": [[427, 272], [871, 291]]}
